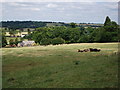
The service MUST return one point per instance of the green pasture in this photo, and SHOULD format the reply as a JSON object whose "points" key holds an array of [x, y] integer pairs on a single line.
{"points": [[60, 66]]}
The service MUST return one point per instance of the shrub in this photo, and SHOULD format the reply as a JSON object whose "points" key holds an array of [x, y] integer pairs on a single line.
{"points": [[34, 44], [45, 41], [84, 39], [56, 41], [67, 42], [16, 41], [11, 42], [4, 41]]}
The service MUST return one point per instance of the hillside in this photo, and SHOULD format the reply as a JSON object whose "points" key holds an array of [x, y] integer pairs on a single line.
{"points": [[37, 24]]}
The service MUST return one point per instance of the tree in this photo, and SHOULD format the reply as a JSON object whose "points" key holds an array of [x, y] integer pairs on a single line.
{"points": [[114, 23], [84, 39], [20, 32], [92, 35], [58, 40], [45, 41], [16, 41], [110, 31], [4, 41], [12, 32], [103, 35], [29, 32], [73, 25], [107, 21], [11, 41], [74, 35]]}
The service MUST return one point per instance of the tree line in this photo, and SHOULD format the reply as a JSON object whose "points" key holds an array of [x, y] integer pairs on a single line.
{"points": [[25, 24], [73, 34], [22, 24], [13, 25]]}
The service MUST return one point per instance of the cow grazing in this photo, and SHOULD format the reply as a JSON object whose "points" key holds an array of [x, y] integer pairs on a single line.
{"points": [[90, 49], [94, 50], [80, 50], [86, 50]]}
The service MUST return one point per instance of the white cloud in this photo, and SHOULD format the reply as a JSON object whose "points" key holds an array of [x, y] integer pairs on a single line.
{"points": [[35, 9], [32, 8], [18, 4], [51, 5]]}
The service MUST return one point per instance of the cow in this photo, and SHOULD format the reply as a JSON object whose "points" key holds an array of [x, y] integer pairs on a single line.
{"points": [[80, 50], [94, 50], [86, 50], [90, 49]]}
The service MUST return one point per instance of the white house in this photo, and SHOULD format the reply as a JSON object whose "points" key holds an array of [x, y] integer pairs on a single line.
{"points": [[26, 43]]}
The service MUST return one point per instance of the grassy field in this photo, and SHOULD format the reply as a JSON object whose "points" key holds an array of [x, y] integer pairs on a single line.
{"points": [[55, 66]]}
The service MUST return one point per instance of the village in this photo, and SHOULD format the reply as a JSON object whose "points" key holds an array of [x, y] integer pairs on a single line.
{"points": [[15, 35], [17, 40]]}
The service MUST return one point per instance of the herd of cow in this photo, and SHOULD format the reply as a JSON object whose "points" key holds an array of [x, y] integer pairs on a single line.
{"points": [[90, 50]]}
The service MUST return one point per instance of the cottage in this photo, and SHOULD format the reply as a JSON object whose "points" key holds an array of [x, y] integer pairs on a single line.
{"points": [[26, 43]]}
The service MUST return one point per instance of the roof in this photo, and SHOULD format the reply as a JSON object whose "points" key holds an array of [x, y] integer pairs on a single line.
{"points": [[28, 42]]}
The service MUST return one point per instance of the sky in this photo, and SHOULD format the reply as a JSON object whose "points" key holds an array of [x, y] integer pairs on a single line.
{"points": [[79, 12]]}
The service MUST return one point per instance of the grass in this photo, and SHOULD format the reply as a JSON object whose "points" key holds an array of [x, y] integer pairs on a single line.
{"points": [[55, 66]]}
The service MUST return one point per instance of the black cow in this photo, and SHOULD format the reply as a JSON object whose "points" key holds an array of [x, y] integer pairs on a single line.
{"points": [[86, 50], [94, 50]]}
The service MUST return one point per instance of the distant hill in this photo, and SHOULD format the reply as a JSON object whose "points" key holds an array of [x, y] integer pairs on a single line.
{"points": [[22, 24], [36, 24]]}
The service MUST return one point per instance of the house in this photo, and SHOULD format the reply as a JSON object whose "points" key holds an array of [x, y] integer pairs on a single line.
{"points": [[22, 34], [26, 43]]}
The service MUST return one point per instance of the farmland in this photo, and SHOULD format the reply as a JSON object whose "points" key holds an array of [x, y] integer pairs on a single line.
{"points": [[54, 66]]}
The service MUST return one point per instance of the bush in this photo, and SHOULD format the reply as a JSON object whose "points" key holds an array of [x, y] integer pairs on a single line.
{"points": [[56, 41], [45, 41], [11, 42], [34, 44], [16, 41], [84, 39], [67, 42], [4, 41]]}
